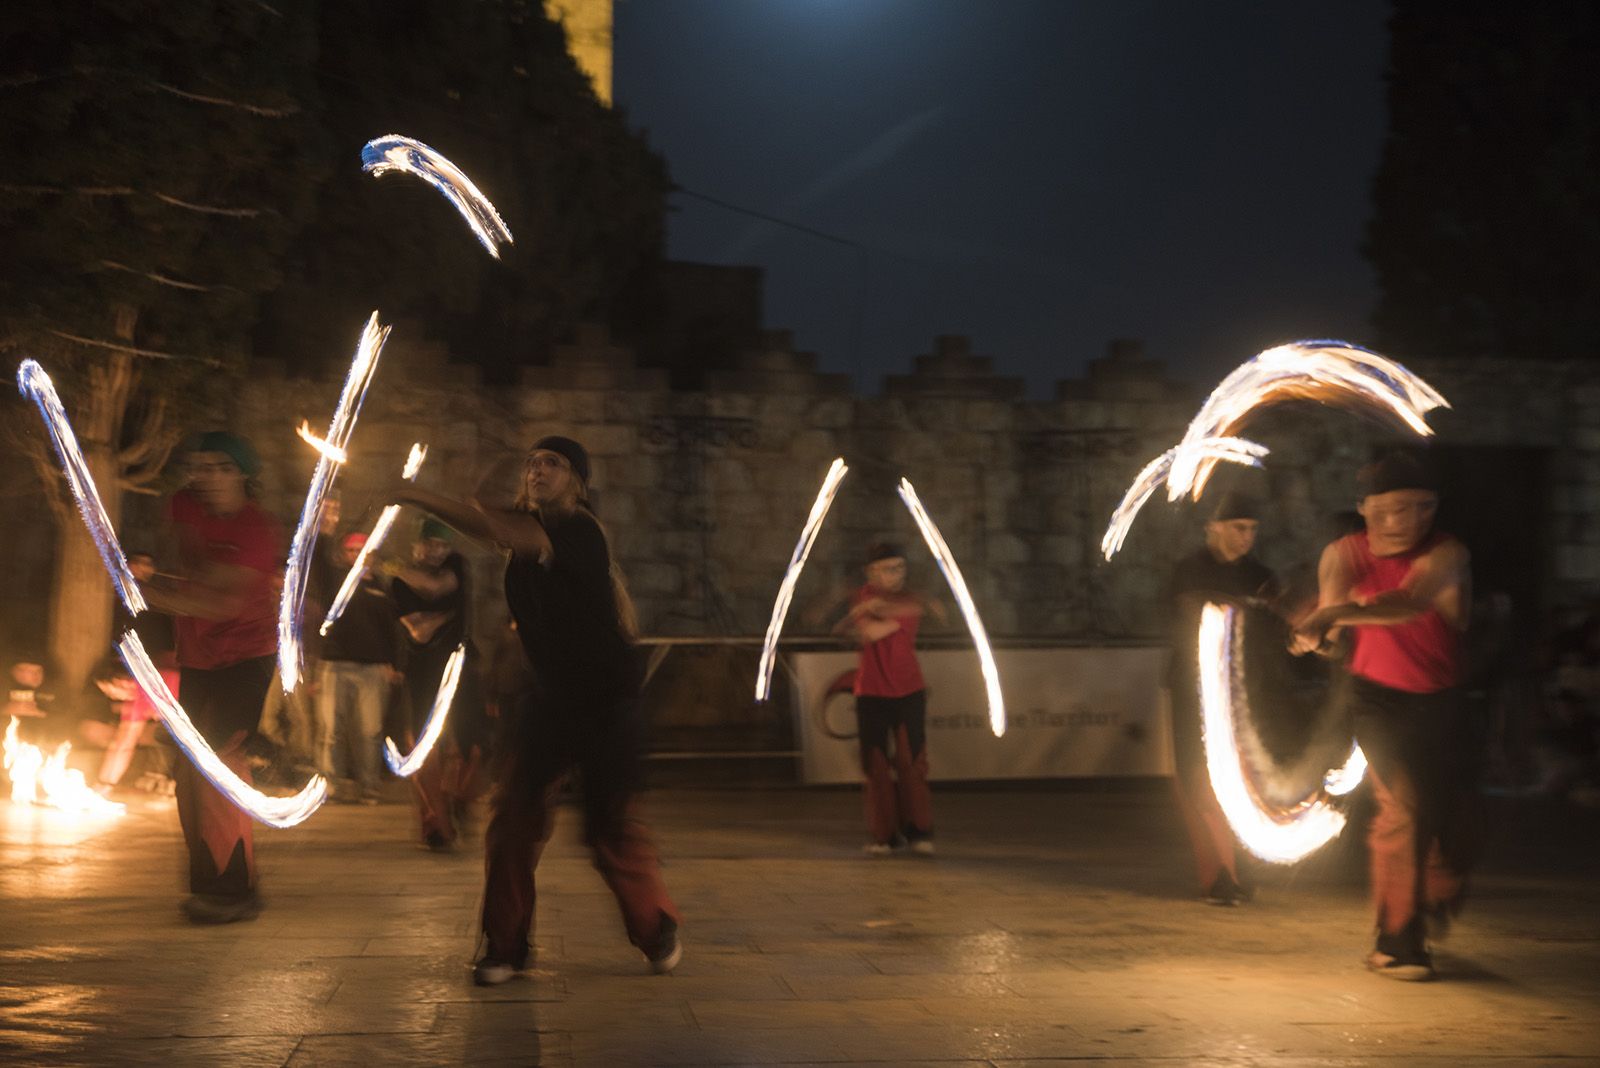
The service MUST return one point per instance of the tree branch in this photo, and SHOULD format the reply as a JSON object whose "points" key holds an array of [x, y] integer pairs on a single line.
{"points": [[254, 109], [207, 209], [87, 191], [139, 478], [20, 80], [43, 461], [132, 350], [152, 433], [161, 279]]}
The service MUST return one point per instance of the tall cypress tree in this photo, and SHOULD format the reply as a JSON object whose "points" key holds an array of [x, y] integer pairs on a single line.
{"points": [[491, 85], [155, 172], [1485, 231]]}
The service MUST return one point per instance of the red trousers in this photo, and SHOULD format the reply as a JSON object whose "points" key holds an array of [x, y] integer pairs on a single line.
{"points": [[552, 738], [224, 705], [1210, 837], [898, 802], [447, 780]]}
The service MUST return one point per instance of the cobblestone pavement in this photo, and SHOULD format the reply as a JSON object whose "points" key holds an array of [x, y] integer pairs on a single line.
{"points": [[1053, 926]]}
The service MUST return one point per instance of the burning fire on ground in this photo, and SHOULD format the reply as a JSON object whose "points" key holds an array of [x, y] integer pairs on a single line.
{"points": [[37, 779]]}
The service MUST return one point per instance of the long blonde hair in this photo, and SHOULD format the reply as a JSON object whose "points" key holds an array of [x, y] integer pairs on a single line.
{"points": [[575, 499]]}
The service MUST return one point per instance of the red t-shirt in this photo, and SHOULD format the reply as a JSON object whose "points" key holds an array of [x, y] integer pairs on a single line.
{"points": [[250, 538], [888, 666], [1417, 656]]}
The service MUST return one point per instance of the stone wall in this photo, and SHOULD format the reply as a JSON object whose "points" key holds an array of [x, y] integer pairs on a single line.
{"points": [[705, 492]]}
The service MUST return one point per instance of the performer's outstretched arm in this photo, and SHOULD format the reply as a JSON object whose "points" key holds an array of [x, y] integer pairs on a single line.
{"points": [[1439, 580]]}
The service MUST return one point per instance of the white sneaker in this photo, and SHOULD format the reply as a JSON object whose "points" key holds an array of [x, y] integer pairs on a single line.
{"points": [[923, 846], [1417, 969], [669, 948], [492, 972], [877, 849]]}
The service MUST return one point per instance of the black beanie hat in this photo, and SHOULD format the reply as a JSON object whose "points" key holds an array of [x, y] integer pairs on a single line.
{"points": [[575, 454], [1397, 470], [1233, 505], [883, 550]]}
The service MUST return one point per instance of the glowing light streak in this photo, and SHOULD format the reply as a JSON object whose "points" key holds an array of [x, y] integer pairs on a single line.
{"points": [[277, 812], [297, 571], [958, 587], [273, 811], [332, 452], [37, 387], [1234, 450], [37, 779], [393, 152], [407, 765], [1280, 836], [418, 453], [1348, 776], [1329, 372], [375, 540], [797, 562]]}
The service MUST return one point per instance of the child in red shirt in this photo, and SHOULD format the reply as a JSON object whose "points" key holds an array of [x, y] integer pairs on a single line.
{"points": [[891, 702]]}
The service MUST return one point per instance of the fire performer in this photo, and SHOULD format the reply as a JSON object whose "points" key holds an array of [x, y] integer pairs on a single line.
{"points": [[431, 596], [1224, 569], [891, 703], [224, 601], [576, 623], [1403, 589]]}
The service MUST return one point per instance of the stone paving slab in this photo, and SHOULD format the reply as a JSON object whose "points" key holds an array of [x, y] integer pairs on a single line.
{"points": [[1054, 927]]}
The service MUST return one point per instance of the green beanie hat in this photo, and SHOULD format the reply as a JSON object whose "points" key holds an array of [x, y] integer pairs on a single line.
{"points": [[236, 448]]}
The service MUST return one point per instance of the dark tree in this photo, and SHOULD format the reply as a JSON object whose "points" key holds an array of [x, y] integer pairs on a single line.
{"points": [[1486, 225], [490, 84], [153, 177]]}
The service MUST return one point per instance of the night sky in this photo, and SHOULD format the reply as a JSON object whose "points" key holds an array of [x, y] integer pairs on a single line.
{"points": [[1043, 175]]}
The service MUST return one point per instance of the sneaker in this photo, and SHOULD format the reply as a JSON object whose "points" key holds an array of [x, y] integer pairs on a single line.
{"points": [[489, 972], [883, 849], [1225, 893], [1436, 921], [435, 842], [924, 846], [212, 908], [669, 950], [1411, 969]]}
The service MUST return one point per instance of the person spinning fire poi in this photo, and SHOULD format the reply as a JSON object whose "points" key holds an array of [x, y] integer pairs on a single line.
{"points": [[891, 703], [230, 555], [1403, 591], [576, 624], [1224, 569]]}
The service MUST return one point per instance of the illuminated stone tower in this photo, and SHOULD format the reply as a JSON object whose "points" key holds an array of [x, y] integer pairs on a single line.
{"points": [[588, 25]]}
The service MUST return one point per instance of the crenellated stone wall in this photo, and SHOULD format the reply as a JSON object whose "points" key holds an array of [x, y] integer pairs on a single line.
{"points": [[705, 492]]}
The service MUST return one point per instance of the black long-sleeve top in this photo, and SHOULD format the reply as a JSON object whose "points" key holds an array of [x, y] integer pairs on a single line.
{"points": [[1195, 579], [567, 615]]}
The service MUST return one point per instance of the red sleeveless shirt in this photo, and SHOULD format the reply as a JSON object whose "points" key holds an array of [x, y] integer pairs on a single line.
{"points": [[888, 667], [1418, 656]]}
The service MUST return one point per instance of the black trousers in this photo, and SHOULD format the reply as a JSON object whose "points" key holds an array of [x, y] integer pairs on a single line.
{"points": [[225, 705], [1425, 759], [896, 795], [553, 735]]}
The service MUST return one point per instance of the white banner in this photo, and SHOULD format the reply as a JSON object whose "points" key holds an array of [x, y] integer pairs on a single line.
{"points": [[1071, 712]]}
